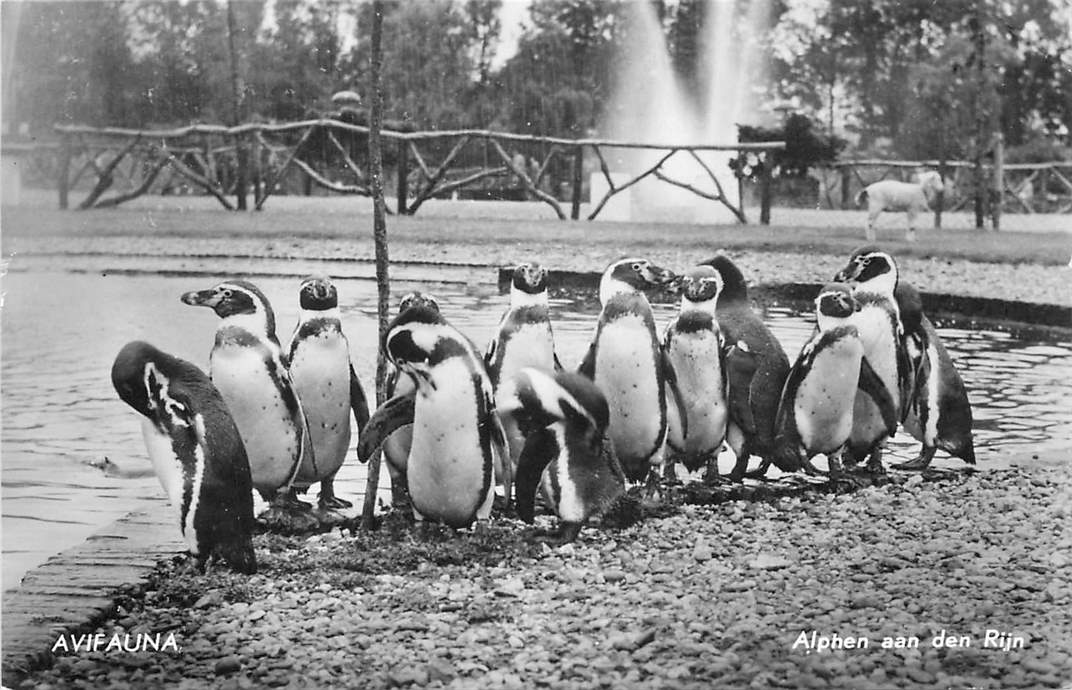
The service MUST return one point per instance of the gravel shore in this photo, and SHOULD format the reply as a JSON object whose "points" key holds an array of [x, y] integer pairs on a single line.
{"points": [[704, 596]]}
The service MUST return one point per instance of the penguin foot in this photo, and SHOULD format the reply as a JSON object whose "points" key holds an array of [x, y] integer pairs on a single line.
{"points": [[333, 502], [652, 489], [712, 478], [846, 483], [328, 516], [482, 527], [288, 515], [916, 464], [920, 462]]}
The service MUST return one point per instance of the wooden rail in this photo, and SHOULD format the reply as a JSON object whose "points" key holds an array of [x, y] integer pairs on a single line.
{"points": [[1023, 187], [426, 165]]}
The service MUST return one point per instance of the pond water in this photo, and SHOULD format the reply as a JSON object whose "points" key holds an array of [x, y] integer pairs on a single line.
{"points": [[61, 331]]}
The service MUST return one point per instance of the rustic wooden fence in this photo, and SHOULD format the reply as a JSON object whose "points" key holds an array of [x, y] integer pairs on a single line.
{"points": [[123, 164], [1021, 187]]}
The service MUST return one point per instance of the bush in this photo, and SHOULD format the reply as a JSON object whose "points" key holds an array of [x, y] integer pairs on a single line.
{"points": [[804, 148]]}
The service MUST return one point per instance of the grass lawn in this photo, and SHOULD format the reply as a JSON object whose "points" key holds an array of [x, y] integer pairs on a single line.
{"points": [[493, 223]]}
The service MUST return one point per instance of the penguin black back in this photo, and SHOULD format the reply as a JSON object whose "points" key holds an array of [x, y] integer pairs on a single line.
{"points": [[196, 451]]}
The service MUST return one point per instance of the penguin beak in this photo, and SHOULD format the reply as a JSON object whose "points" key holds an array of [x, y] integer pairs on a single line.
{"points": [[676, 286], [845, 275], [201, 298], [658, 276]]}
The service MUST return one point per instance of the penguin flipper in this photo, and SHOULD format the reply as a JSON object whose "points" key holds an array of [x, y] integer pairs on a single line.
{"points": [[558, 364], [672, 387], [489, 353], [740, 369], [588, 364], [388, 418], [540, 448], [786, 435], [872, 385], [358, 401]]}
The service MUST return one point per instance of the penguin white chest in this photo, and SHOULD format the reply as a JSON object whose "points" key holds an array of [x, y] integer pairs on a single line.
{"points": [[570, 506], [824, 401], [320, 371], [165, 462], [695, 359], [531, 345], [626, 370], [253, 396], [174, 476], [879, 341], [447, 470]]}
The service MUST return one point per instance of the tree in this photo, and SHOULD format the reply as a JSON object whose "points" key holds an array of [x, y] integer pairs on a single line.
{"points": [[557, 82], [878, 52], [69, 62], [297, 60]]}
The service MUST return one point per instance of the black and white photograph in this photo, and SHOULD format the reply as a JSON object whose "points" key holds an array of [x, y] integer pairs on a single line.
{"points": [[556, 344]]}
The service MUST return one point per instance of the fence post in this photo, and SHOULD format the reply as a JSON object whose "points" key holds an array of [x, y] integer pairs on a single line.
{"points": [[939, 200], [255, 166], [998, 197], [64, 181], [765, 192], [578, 174], [846, 187], [403, 176]]}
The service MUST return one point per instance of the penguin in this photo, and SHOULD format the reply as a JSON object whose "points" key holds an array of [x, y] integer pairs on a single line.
{"points": [[319, 361], [938, 413], [397, 444], [564, 418], [196, 452], [756, 367], [815, 414], [457, 437], [693, 346], [524, 339], [246, 365], [626, 362], [873, 276]]}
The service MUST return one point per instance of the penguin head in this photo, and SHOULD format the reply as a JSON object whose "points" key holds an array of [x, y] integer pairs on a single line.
{"points": [[734, 289], [528, 285], [700, 287], [834, 303], [318, 293], [632, 275], [128, 374], [419, 338], [872, 268], [141, 375], [236, 298], [538, 398], [415, 299]]}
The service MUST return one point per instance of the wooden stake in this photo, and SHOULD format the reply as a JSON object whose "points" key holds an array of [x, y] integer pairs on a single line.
{"points": [[379, 237]]}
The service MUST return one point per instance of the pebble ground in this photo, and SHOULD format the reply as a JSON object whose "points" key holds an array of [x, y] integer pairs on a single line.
{"points": [[703, 596]]}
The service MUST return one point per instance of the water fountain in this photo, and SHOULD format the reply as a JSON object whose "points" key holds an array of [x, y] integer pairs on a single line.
{"points": [[651, 105]]}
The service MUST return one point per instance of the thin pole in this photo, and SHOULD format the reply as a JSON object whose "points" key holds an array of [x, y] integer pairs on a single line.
{"points": [[379, 236], [236, 106]]}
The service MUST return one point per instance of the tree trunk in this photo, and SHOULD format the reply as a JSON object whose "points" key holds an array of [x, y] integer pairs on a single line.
{"points": [[979, 55], [379, 234], [241, 151]]}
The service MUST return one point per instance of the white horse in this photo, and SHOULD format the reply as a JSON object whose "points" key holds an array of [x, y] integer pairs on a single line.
{"points": [[892, 195]]}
